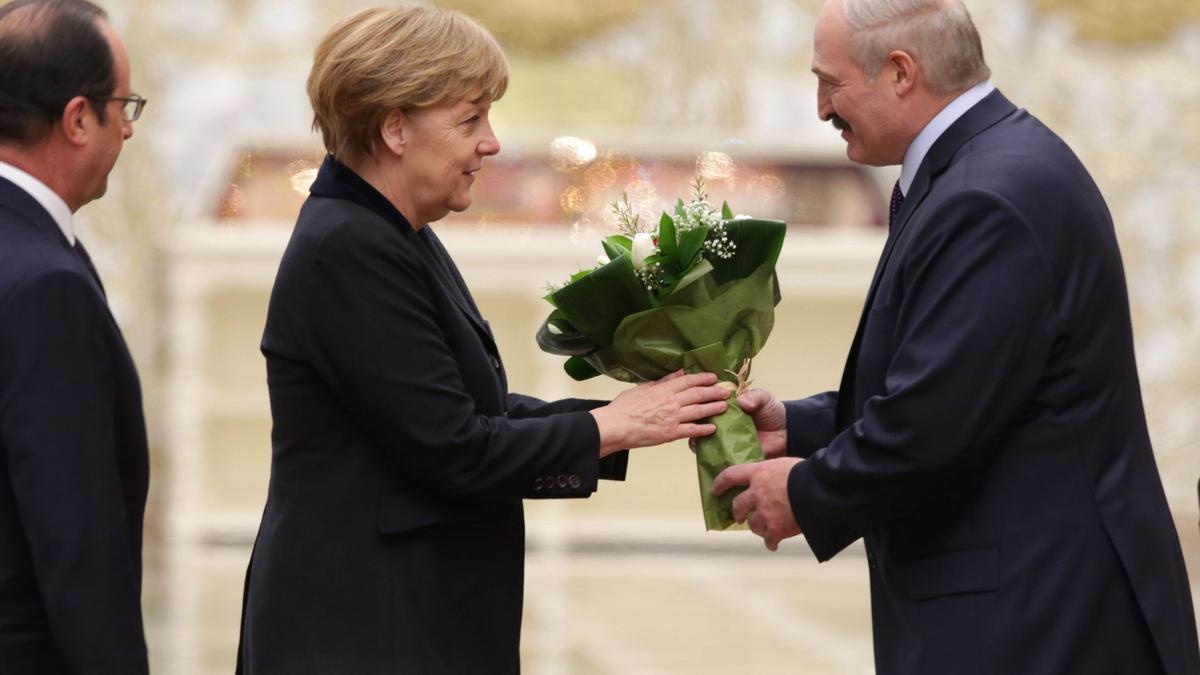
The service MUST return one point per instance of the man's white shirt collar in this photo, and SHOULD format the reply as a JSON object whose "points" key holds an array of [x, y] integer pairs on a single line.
{"points": [[936, 127], [43, 195]]}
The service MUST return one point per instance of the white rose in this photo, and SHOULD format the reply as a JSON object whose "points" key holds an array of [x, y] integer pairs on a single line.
{"points": [[643, 247]]}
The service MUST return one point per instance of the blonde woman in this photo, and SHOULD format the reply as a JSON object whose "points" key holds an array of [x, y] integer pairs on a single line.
{"points": [[393, 535]]}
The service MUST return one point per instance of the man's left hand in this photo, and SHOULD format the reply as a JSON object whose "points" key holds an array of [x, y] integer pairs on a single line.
{"points": [[765, 500]]}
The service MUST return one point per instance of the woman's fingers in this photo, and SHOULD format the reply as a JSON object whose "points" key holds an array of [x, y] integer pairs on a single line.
{"points": [[684, 382], [695, 430], [673, 376], [703, 394], [691, 413]]}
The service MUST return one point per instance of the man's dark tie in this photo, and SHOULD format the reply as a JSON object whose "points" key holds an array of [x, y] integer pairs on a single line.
{"points": [[894, 207], [87, 260]]}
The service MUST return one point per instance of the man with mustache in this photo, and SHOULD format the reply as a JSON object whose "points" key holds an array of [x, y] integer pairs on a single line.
{"points": [[987, 440]]}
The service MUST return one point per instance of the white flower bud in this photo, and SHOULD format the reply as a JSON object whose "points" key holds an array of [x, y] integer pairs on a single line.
{"points": [[643, 247], [602, 260]]}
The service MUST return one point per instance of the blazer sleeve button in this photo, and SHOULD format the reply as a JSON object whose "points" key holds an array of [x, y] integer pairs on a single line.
{"points": [[537, 484], [574, 482], [562, 481]]}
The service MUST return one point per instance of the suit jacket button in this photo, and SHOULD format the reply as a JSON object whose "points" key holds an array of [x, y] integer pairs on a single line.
{"points": [[537, 484], [574, 482], [562, 481]]}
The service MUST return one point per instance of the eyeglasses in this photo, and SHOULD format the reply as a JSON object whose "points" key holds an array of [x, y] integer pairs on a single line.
{"points": [[131, 106]]}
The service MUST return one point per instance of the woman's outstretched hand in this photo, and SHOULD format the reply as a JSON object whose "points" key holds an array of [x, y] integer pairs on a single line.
{"points": [[659, 412]]}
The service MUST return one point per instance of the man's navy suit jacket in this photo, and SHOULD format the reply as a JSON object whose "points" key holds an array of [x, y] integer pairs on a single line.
{"points": [[393, 538], [988, 438], [74, 467]]}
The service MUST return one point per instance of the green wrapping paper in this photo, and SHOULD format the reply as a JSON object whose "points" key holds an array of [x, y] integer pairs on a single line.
{"points": [[715, 319]]}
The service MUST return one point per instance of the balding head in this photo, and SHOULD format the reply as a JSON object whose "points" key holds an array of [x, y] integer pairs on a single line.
{"points": [[938, 34]]}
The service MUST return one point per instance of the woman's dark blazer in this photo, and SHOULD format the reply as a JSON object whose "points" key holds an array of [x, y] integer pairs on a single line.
{"points": [[393, 536]]}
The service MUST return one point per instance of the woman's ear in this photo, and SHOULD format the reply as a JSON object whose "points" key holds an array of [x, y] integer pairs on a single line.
{"points": [[394, 131]]}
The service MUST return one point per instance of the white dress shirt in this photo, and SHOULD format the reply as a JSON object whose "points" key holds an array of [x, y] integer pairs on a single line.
{"points": [[936, 127], [48, 198]]}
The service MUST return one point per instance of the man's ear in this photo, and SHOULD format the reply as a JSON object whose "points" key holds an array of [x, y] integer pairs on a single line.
{"points": [[77, 120], [903, 71], [394, 131]]}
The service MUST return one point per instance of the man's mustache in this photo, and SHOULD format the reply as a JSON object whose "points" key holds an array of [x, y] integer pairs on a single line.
{"points": [[839, 123]]}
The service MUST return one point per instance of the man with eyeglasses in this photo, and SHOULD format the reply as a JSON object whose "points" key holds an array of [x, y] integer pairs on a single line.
{"points": [[74, 467]]}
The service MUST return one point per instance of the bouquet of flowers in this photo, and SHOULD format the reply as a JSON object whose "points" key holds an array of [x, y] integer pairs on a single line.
{"points": [[699, 293]]}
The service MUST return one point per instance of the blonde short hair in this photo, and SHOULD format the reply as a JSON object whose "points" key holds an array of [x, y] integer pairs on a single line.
{"points": [[938, 34], [405, 57]]}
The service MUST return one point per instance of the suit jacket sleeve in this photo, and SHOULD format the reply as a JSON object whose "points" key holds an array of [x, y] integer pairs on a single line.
{"points": [[380, 347], [810, 423], [56, 421], [613, 467], [973, 329]]}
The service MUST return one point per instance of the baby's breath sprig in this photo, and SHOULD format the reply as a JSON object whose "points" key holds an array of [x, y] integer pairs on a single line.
{"points": [[719, 244], [652, 277], [627, 220]]}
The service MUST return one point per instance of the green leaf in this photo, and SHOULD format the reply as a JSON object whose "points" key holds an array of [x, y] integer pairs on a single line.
{"points": [[597, 303], [579, 369], [621, 241], [659, 259], [701, 268], [679, 208], [726, 212], [614, 251], [667, 243], [757, 242], [558, 336], [690, 243]]}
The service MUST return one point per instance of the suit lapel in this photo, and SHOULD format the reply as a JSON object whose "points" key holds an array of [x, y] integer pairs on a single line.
{"points": [[455, 286], [983, 115]]}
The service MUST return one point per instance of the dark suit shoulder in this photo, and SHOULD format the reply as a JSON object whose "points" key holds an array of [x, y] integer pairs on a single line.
{"points": [[29, 246], [43, 274], [338, 249], [1023, 161], [331, 229]]}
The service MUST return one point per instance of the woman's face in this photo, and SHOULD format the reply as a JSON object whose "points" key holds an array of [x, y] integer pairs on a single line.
{"points": [[444, 148]]}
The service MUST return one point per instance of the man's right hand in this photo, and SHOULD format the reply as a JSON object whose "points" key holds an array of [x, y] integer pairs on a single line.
{"points": [[770, 419]]}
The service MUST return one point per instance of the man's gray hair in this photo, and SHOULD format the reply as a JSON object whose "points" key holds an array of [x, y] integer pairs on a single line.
{"points": [[938, 34]]}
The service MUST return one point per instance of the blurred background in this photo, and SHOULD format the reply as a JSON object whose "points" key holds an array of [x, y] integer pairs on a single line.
{"points": [[629, 95]]}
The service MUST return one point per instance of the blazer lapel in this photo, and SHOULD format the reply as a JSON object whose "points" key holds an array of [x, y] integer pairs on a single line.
{"points": [[455, 286], [983, 115]]}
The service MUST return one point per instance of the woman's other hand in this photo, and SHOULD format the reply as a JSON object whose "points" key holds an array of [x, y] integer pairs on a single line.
{"points": [[659, 412]]}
